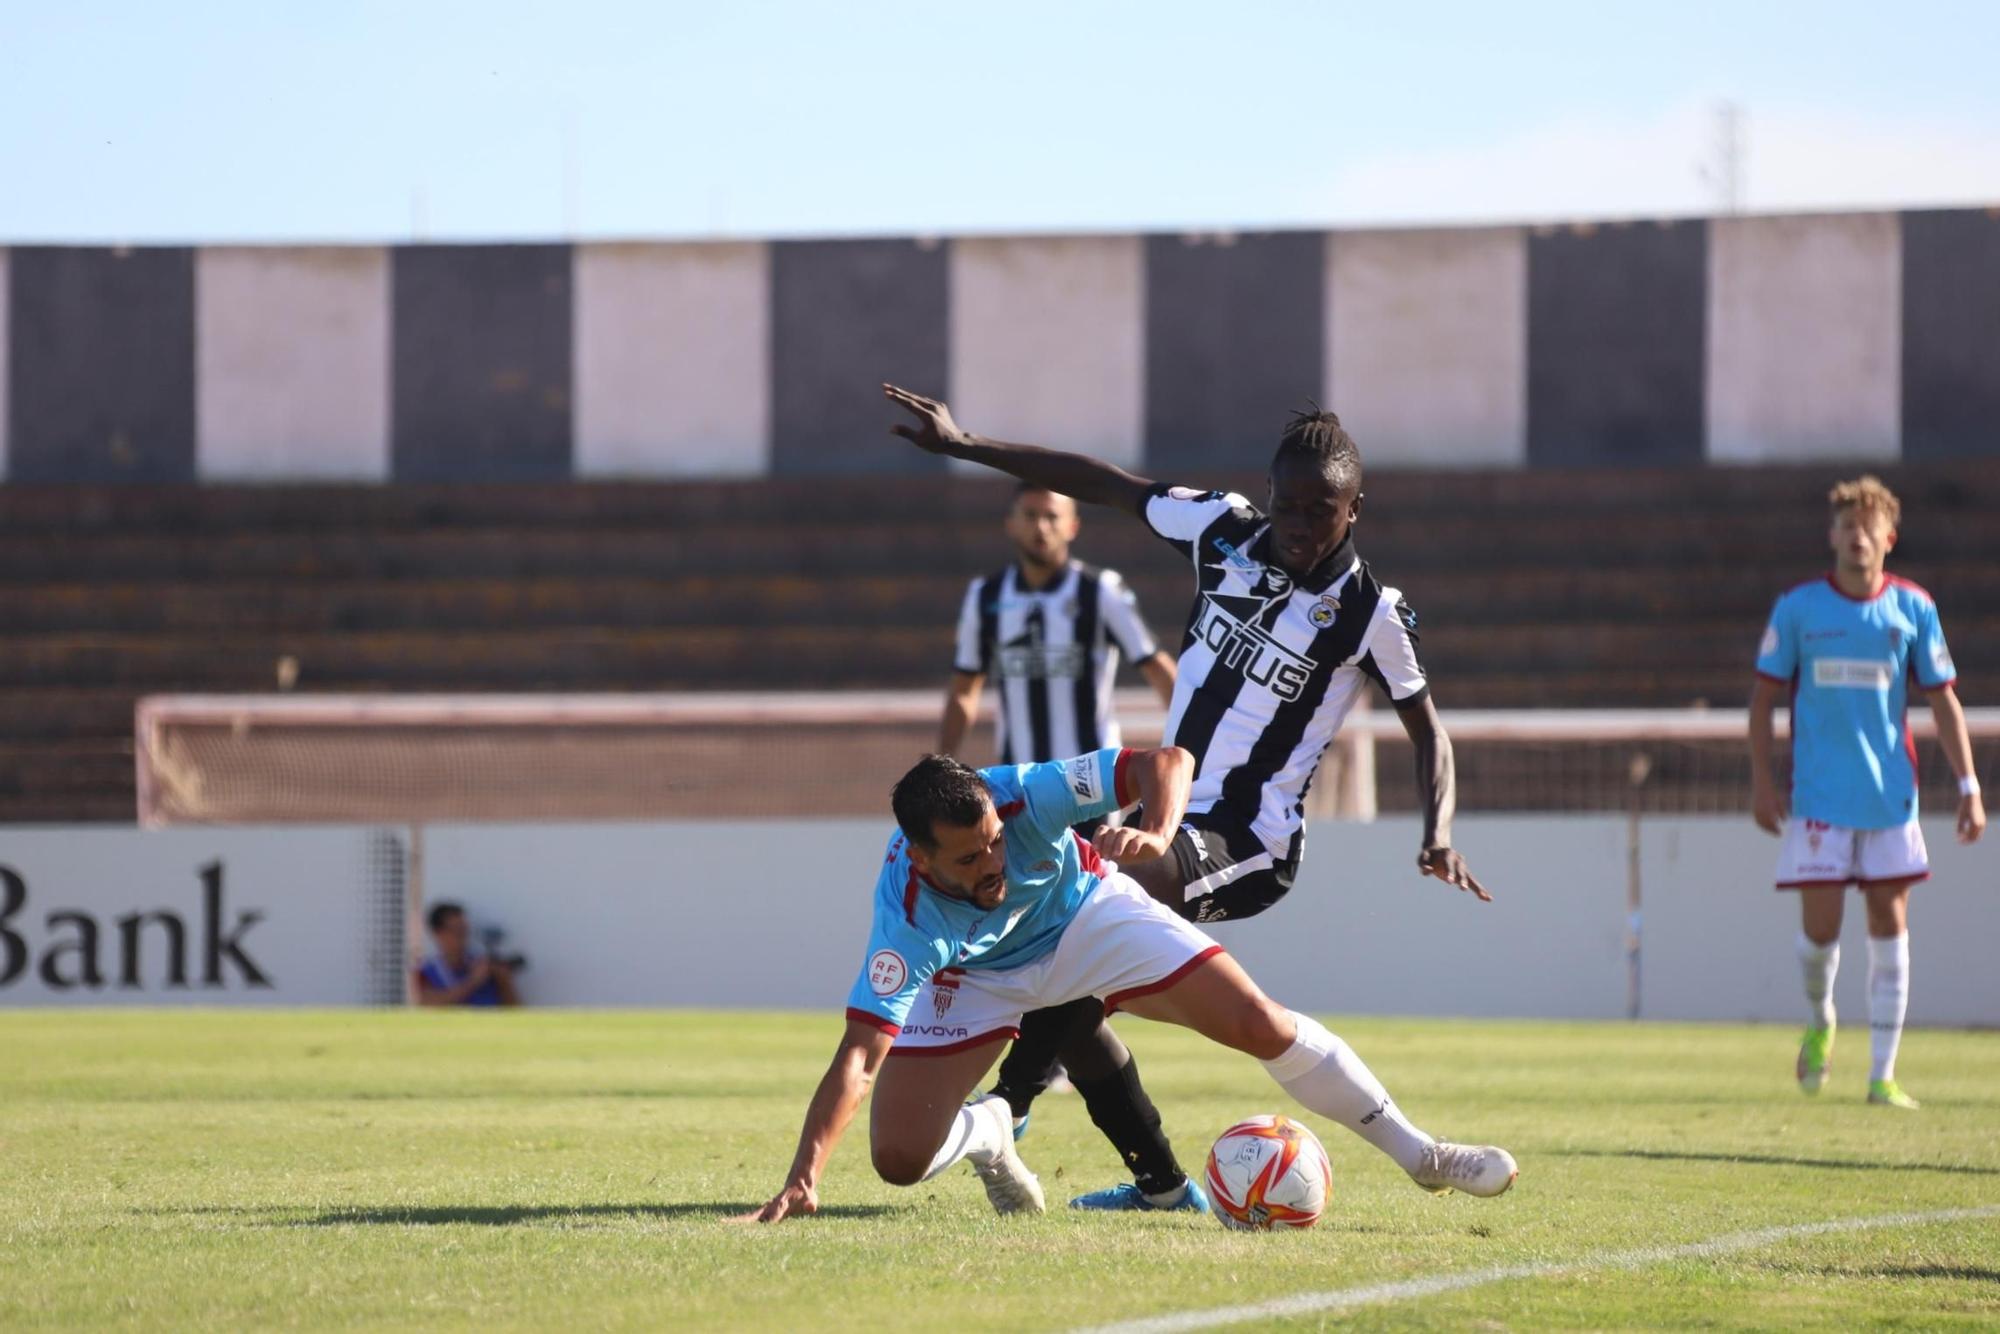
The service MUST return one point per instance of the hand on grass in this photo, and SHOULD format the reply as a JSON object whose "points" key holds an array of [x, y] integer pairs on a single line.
{"points": [[796, 1199]]}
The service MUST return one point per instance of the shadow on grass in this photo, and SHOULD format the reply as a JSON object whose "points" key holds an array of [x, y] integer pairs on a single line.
{"points": [[502, 1215], [1772, 1160], [1964, 1272]]}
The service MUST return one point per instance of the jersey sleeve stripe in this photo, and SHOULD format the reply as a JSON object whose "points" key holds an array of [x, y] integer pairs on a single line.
{"points": [[874, 1021], [1121, 786], [1774, 680], [1945, 684]]}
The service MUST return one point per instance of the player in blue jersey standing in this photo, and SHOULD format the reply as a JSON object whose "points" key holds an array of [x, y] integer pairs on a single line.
{"points": [[987, 907], [1845, 647]]}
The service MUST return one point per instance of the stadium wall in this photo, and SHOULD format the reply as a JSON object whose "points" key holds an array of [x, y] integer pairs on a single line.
{"points": [[1865, 337], [678, 914]]}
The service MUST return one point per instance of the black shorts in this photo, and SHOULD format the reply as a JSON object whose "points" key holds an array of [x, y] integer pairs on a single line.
{"points": [[1227, 872]]}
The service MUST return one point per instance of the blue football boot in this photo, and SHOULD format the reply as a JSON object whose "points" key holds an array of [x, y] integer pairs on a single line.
{"points": [[1125, 1196]]}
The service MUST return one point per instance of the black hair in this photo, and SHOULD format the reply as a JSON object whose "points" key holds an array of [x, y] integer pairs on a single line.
{"points": [[441, 913], [1317, 440], [938, 789]]}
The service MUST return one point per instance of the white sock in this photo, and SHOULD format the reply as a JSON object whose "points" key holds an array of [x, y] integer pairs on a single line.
{"points": [[975, 1134], [1820, 962], [1325, 1075], [1888, 999]]}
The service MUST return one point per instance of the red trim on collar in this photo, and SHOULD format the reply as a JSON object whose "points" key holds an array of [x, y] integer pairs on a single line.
{"points": [[1882, 588], [1011, 809], [910, 898]]}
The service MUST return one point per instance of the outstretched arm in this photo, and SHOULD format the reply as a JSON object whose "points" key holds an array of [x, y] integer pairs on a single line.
{"points": [[1075, 475], [833, 1105], [1957, 743], [1437, 792]]}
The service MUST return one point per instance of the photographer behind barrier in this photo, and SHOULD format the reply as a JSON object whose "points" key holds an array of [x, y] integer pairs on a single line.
{"points": [[454, 974]]}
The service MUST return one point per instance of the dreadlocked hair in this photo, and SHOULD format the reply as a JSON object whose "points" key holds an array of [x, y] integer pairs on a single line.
{"points": [[1315, 439]]}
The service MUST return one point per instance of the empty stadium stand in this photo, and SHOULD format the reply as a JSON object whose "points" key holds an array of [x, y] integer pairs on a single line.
{"points": [[1536, 588]]}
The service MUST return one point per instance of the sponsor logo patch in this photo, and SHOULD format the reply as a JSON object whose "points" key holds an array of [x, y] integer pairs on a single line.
{"points": [[1941, 661], [1243, 646], [887, 972], [1853, 673], [1770, 644], [1084, 780]]}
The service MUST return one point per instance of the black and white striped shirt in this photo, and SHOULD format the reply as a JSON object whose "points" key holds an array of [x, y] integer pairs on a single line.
{"points": [[1053, 653], [1271, 665]]}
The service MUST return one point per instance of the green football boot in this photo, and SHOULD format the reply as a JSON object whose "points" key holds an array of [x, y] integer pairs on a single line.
{"points": [[1815, 1056], [1888, 1093]]}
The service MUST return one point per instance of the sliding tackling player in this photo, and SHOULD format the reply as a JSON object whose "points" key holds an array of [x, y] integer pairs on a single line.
{"points": [[1288, 627], [987, 906]]}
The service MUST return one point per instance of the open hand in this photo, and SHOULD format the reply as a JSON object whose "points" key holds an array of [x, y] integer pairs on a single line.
{"points": [[1448, 866], [796, 1199], [935, 432], [1125, 844]]}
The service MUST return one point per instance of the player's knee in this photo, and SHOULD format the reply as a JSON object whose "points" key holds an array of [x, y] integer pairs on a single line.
{"points": [[1262, 1028], [897, 1164]]}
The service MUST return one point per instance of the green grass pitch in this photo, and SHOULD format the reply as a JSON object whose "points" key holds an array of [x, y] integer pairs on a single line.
{"points": [[480, 1171]]}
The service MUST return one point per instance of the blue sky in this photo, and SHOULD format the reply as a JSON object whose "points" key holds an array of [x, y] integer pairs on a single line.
{"points": [[283, 121]]}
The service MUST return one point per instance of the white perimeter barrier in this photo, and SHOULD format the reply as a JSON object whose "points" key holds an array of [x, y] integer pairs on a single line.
{"points": [[776, 914], [292, 916]]}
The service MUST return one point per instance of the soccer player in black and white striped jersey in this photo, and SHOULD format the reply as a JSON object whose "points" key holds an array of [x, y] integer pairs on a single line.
{"points": [[1049, 631], [1288, 626]]}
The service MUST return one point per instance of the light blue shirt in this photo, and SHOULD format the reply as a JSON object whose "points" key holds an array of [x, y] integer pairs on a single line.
{"points": [[1849, 662], [917, 930]]}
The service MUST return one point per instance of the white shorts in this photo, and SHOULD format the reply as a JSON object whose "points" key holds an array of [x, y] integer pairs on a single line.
{"points": [[1120, 945], [1815, 854]]}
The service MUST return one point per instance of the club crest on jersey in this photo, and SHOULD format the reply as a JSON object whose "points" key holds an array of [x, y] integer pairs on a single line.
{"points": [[944, 990], [1324, 611], [1242, 646]]}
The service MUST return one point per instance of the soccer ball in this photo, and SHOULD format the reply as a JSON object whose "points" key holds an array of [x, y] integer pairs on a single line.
{"points": [[1268, 1172]]}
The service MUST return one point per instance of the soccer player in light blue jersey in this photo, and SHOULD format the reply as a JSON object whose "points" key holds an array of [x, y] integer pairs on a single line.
{"points": [[1846, 648], [987, 907]]}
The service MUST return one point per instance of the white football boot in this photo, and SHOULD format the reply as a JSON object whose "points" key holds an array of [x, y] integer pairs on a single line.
{"points": [[1476, 1169], [1010, 1186]]}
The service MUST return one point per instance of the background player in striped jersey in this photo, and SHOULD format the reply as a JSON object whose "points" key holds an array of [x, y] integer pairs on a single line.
{"points": [[1049, 631], [1845, 647], [1288, 626]]}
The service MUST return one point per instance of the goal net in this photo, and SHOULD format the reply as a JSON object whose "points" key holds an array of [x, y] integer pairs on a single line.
{"points": [[257, 759]]}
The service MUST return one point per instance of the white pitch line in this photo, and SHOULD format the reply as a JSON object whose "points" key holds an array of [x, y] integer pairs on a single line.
{"points": [[1308, 1303]]}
